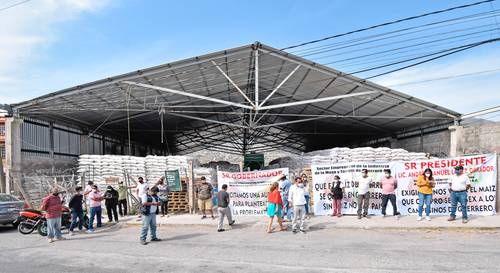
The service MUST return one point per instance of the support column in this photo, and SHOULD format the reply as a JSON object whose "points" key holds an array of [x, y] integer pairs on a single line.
{"points": [[393, 143], [456, 135], [13, 152]]}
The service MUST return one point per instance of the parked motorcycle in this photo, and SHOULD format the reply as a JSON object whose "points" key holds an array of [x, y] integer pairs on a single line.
{"points": [[35, 219]]}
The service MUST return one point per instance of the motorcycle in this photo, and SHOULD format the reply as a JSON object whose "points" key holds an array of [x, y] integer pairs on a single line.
{"points": [[35, 219]]}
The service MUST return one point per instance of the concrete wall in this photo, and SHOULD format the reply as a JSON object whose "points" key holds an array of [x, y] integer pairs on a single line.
{"points": [[437, 144], [481, 139]]}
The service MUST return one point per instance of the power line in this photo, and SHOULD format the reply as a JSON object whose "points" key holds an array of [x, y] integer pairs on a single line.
{"points": [[14, 5], [389, 23], [448, 77]]}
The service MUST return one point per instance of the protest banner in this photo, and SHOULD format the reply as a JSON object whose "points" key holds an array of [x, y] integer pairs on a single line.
{"points": [[482, 172], [481, 169], [248, 190], [349, 174]]}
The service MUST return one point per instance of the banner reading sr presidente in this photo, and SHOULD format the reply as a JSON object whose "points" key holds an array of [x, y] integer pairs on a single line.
{"points": [[482, 172], [248, 190]]}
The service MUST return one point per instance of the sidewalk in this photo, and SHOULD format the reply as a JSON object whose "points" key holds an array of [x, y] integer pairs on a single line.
{"points": [[347, 222]]}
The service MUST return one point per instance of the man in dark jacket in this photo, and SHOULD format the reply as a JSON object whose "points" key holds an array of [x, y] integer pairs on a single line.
{"points": [[75, 205], [111, 197]]}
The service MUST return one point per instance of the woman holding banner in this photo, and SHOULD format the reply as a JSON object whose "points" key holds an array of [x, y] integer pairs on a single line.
{"points": [[274, 206], [425, 184]]}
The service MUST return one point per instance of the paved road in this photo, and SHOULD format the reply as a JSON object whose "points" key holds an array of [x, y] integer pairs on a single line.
{"points": [[250, 249]]}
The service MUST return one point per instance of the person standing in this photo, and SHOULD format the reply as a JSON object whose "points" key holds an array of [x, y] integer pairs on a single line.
{"points": [[337, 191], [86, 192], [365, 183], [389, 185], [223, 208], [95, 208], [142, 189], [76, 207], [425, 184], [274, 207], [163, 194], [296, 198], [307, 194], [285, 185], [205, 196], [111, 201], [52, 206], [122, 198], [459, 186], [149, 210]]}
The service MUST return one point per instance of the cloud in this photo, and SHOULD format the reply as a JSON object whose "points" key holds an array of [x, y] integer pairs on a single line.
{"points": [[29, 27], [464, 94]]}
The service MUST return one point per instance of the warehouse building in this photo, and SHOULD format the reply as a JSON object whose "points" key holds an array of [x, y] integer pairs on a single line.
{"points": [[249, 99]]}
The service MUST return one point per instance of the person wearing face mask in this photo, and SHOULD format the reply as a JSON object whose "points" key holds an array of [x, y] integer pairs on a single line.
{"points": [[337, 191], [75, 205], [365, 182], [52, 207], [389, 185], [96, 198], [297, 200], [459, 186], [425, 184]]}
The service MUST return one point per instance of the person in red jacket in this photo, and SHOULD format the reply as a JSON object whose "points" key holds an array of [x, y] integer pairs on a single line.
{"points": [[52, 206], [274, 207]]}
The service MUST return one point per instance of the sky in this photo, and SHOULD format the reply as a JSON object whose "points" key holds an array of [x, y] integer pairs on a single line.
{"points": [[49, 45]]}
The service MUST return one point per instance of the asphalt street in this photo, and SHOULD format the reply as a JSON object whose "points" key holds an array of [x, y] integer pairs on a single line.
{"points": [[250, 249]]}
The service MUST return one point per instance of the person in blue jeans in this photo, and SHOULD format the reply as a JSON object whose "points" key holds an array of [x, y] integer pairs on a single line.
{"points": [[96, 198], [285, 185], [149, 210], [307, 194], [459, 186], [425, 184], [75, 205]]}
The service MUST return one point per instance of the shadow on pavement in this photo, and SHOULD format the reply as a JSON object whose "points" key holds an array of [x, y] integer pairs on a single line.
{"points": [[184, 236], [7, 228]]}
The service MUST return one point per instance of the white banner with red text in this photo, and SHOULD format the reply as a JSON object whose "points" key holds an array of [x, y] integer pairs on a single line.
{"points": [[248, 190], [481, 169]]}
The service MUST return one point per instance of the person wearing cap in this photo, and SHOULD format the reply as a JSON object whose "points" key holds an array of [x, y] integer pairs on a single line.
{"points": [[52, 206], [285, 185], [205, 195], [365, 183], [122, 198], [95, 208], [111, 201], [459, 186], [149, 210]]}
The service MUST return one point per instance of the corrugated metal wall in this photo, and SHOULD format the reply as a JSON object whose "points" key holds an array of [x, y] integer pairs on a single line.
{"points": [[70, 142]]}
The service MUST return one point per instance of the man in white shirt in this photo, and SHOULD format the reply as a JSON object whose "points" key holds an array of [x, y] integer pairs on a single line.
{"points": [[459, 185], [142, 189], [297, 199], [364, 185]]}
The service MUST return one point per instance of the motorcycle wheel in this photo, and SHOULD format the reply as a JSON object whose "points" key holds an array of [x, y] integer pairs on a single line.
{"points": [[25, 228], [42, 229]]}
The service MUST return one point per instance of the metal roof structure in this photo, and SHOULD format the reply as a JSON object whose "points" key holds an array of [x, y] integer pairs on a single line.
{"points": [[250, 98]]}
